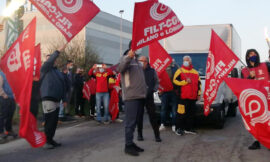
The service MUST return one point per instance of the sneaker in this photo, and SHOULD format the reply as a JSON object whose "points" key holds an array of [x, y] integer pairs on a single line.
{"points": [[118, 120], [173, 128], [48, 146], [255, 145], [130, 150], [179, 132], [137, 148], [191, 132], [56, 144], [162, 127]]}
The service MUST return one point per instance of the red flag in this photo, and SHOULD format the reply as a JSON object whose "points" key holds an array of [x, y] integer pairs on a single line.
{"points": [[159, 58], [86, 90], [37, 62], [17, 64], [114, 103], [220, 62], [254, 106], [153, 21], [68, 16], [165, 83]]}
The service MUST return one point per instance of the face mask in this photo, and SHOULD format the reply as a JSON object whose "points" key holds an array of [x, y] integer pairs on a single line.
{"points": [[101, 70], [253, 58], [186, 63], [141, 63], [71, 67]]}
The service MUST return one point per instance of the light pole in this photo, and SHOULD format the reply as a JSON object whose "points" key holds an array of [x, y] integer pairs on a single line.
{"points": [[121, 13]]}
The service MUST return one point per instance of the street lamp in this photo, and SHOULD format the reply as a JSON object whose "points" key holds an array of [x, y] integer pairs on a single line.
{"points": [[121, 13]]}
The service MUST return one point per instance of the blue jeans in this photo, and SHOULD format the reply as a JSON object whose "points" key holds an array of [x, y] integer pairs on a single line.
{"points": [[61, 110], [168, 99], [103, 98]]}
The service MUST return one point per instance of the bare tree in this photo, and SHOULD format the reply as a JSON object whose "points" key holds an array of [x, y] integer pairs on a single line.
{"points": [[79, 51]]}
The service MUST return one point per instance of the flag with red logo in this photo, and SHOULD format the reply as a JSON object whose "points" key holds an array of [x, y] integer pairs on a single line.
{"points": [[220, 62], [69, 17], [153, 21], [86, 90], [37, 61], [253, 100], [114, 103], [159, 59], [17, 64], [165, 83]]}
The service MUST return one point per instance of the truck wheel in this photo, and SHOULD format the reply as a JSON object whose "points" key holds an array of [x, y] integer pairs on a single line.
{"points": [[232, 111], [220, 117]]}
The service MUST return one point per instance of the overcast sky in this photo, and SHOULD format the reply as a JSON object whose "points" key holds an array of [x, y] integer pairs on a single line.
{"points": [[249, 17]]}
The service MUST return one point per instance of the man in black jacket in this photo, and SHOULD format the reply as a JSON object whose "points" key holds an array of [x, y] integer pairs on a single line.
{"points": [[52, 92], [152, 83]]}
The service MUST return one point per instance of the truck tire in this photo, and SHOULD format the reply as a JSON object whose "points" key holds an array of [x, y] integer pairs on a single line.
{"points": [[220, 117]]}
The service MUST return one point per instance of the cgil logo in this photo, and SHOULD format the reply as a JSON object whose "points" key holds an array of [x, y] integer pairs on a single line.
{"points": [[159, 11], [70, 6], [254, 104]]}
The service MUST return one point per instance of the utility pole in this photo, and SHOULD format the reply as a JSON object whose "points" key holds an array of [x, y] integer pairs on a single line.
{"points": [[121, 29]]}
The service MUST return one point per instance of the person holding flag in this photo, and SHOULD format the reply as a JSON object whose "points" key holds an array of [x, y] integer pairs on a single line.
{"points": [[258, 71], [134, 92], [52, 92], [190, 90]]}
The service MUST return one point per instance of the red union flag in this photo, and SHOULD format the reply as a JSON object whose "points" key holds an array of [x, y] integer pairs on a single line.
{"points": [[153, 21], [165, 83], [253, 101], [37, 62], [69, 16], [159, 58], [17, 64], [86, 90], [220, 62]]}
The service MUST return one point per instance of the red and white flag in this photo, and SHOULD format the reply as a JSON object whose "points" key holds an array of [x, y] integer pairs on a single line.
{"points": [[17, 64], [68, 16], [253, 101], [86, 90], [114, 103], [37, 61], [153, 21], [220, 62], [159, 58]]}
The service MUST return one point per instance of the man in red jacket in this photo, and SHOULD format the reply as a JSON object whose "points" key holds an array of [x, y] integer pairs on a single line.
{"points": [[102, 75], [190, 90]]}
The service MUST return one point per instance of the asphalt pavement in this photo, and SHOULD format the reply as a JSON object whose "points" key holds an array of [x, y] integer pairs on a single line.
{"points": [[88, 141]]}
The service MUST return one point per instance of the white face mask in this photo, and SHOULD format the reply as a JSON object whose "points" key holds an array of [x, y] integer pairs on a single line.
{"points": [[186, 63], [141, 63], [101, 70]]}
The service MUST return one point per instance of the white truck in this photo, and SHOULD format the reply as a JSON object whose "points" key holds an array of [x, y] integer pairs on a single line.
{"points": [[195, 42]]}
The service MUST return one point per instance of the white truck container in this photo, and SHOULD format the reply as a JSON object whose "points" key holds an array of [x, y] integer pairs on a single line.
{"points": [[195, 42]]}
